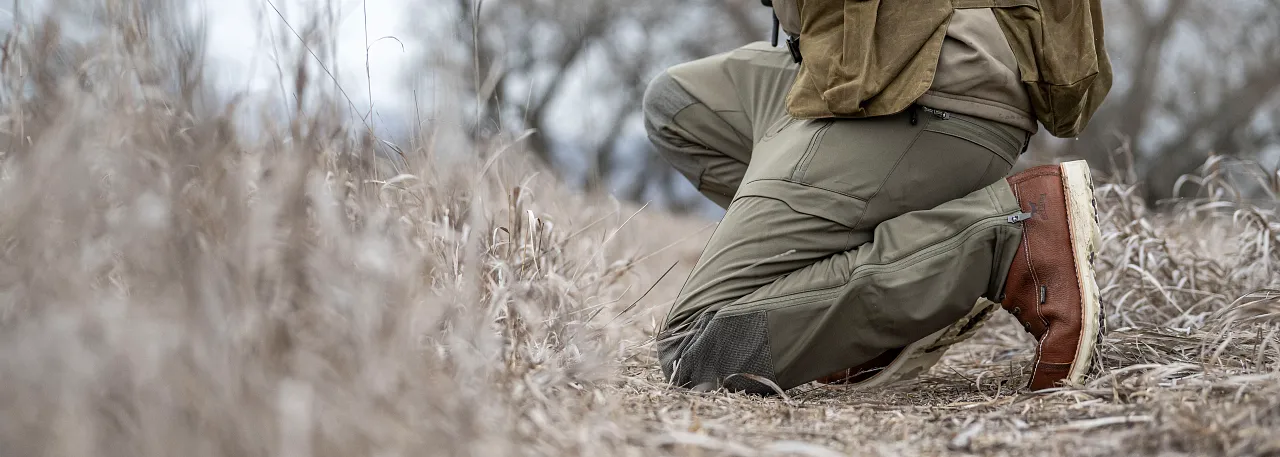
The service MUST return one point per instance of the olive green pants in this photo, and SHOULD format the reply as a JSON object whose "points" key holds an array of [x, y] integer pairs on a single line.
{"points": [[842, 239]]}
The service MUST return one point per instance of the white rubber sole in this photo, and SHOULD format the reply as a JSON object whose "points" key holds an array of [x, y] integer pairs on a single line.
{"points": [[1086, 237], [922, 355]]}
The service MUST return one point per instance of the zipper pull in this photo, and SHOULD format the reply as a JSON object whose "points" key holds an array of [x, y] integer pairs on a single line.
{"points": [[937, 113], [1019, 217]]}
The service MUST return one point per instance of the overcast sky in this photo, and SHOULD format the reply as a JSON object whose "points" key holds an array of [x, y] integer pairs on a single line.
{"points": [[242, 32]]}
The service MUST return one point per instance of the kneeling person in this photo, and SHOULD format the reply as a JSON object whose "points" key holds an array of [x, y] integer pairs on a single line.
{"points": [[868, 214]]}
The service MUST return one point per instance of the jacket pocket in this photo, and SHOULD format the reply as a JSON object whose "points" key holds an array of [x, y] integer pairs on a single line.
{"points": [[1062, 58]]}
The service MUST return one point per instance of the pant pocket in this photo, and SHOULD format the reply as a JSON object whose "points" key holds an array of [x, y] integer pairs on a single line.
{"points": [[1002, 140], [940, 166], [848, 157], [854, 156]]}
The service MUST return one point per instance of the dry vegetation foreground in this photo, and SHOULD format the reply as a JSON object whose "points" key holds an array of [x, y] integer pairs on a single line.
{"points": [[170, 286], [1191, 365]]}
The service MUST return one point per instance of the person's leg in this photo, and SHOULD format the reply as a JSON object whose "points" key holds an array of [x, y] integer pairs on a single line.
{"points": [[705, 116], [849, 239]]}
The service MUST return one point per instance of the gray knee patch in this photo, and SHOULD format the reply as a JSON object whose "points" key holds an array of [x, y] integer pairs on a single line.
{"points": [[718, 351], [663, 99]]}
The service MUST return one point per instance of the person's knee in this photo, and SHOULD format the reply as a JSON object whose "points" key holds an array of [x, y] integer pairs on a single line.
{"points": [[721, 352], [668, 353], [663, 99]]}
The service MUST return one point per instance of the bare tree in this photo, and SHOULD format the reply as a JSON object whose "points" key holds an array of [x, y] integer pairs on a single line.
{"points": [[1193, 77], [574, 74]]}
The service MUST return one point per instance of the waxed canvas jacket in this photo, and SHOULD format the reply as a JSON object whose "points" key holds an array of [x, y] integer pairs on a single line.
{"points": [[865, 58]]}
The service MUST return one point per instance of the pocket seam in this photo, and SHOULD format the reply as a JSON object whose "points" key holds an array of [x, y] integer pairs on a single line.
{"points": [[799, 210], [970, 140], [885, 179], [813, 186], [802, 165], [777, 127]]}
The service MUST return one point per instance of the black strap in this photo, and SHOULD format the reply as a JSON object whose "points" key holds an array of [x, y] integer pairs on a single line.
{"points": [[774, 40], [793, 43]]}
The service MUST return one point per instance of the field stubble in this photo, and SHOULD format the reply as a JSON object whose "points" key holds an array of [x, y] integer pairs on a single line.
{"points": [[169, 283]]}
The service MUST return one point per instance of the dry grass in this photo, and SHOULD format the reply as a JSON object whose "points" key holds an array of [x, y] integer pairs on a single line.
{"points": [[170, 285]]}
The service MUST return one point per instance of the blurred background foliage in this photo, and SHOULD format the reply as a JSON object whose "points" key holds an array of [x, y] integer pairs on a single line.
{"points": [[1193, 78]]}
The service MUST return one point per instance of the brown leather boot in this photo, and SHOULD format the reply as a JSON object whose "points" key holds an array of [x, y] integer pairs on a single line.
{"points": [[1051, 287], [907, 363]]}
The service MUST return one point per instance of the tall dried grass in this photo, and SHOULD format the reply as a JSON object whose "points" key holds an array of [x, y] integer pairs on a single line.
{"points": [[170, 284], [173, 283]]}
